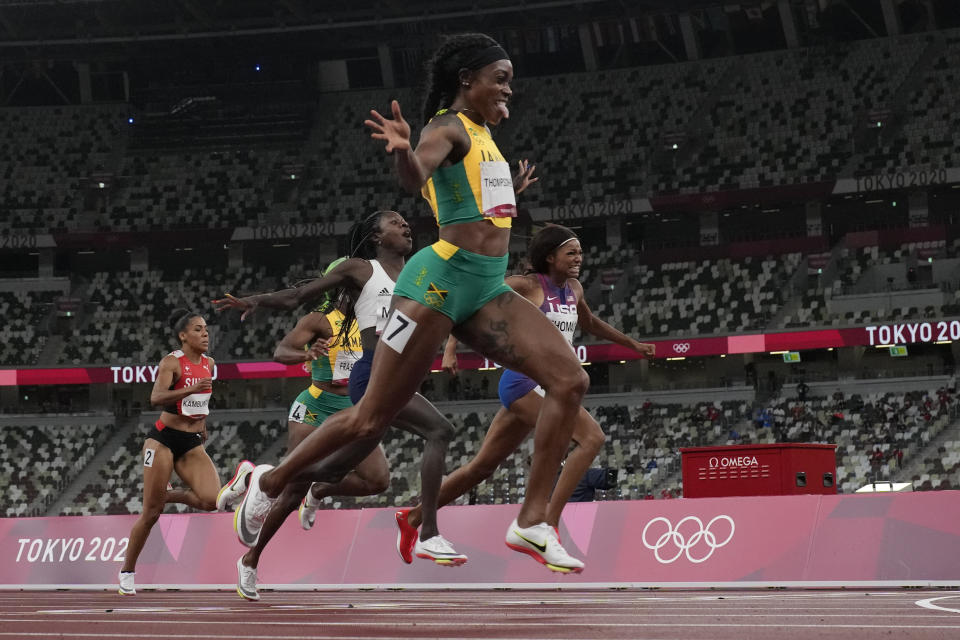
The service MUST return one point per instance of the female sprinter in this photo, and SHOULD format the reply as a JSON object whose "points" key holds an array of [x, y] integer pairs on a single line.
{"points": [[456, 285], [555, 257], [175, 443], [381, 240]]}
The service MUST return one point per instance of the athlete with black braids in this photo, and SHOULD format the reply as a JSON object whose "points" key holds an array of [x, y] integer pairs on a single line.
{"points": [[551, 284], [329, 344], [364, 283]]}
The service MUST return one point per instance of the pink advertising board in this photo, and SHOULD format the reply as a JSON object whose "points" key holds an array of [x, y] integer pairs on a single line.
{"points": [[938, 331], [828, 540]]}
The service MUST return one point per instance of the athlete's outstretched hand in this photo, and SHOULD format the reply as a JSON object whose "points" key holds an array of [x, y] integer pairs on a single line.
{"points": [[524, 177], [248, 305], [396, 132]]}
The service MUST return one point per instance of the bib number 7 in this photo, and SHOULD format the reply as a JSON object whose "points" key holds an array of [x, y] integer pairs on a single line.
{"points": [[398, 331]]}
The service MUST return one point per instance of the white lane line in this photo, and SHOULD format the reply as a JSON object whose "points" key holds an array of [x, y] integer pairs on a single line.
{"points": [[931, 603]]}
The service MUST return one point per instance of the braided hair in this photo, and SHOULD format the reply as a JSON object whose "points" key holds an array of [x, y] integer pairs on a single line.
{"points": [[544, 243], [330, 298], [443, 69], [362, 243]]}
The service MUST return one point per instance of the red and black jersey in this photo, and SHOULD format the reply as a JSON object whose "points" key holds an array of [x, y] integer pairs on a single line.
{"points": [[195, 405]]}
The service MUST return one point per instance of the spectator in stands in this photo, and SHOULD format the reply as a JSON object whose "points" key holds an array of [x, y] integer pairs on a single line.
{"points": [[453, 388], [552, 285], [596, 478], [379, 243], [183, 388], [876, 461], [898, 456], [802, 390], [456, 285]]}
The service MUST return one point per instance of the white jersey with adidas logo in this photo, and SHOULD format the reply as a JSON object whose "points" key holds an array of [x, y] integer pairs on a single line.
{"points": [[374, 301]]}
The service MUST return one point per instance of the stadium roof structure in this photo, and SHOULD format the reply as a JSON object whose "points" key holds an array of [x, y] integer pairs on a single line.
{"points": [[45, 23]]}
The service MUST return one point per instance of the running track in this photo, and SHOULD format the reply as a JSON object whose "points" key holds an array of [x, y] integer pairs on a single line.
{"points": [[523, 615]]}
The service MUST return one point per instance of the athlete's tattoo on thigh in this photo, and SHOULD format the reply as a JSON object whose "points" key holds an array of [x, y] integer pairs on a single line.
{"points": [[495, 343]]}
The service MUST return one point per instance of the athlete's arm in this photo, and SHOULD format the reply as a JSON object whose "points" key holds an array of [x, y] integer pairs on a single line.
{"points": [[449, 361], [162, 394], [349, 273], [203, 419], [438, 142], [526, 286], [313, 327], [593, 325]]}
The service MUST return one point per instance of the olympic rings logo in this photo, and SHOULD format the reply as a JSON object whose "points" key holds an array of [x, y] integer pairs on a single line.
{"points": [[699, 538], [681, 347]]}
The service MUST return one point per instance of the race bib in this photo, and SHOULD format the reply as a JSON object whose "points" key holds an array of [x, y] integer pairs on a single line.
{"points": [[298, 411], [383, 310], [342, 367], [195, 405], [496, 190], [398, 331]]}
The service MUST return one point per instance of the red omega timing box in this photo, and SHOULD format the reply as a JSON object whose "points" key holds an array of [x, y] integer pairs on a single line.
{"points": [[758, 470]]}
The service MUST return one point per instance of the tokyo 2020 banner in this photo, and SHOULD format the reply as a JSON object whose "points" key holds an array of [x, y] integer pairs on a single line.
{"points": [[937, 331], [876, 539]]}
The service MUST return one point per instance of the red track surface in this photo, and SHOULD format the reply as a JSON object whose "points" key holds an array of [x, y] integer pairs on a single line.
{"points": [[526, 615]]}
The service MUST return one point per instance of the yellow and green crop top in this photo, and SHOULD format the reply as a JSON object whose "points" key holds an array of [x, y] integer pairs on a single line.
{"points": [[479, 187], [336, 366]]}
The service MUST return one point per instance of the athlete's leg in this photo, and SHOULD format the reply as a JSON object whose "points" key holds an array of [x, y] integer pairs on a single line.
{"points": [[589, 438], [370, 478], [197, 471], [157, 467], [513, 332], [420, 417], [505, 434], [403, 356], [288, 502]]}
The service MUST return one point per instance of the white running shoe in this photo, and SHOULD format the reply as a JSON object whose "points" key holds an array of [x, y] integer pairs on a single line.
{"points": [[246, 581], [307, 513], [126, 584], [540, 542], [439, 550], [232, 492], [253, 510]]}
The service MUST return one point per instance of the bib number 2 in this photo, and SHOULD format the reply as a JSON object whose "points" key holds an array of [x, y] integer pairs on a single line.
{"points": [[398, 331]]}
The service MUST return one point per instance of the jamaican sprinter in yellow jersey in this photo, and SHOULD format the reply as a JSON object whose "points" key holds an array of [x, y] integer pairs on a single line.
{"points": [[314, 405], [476, 188], [443, 276]]}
